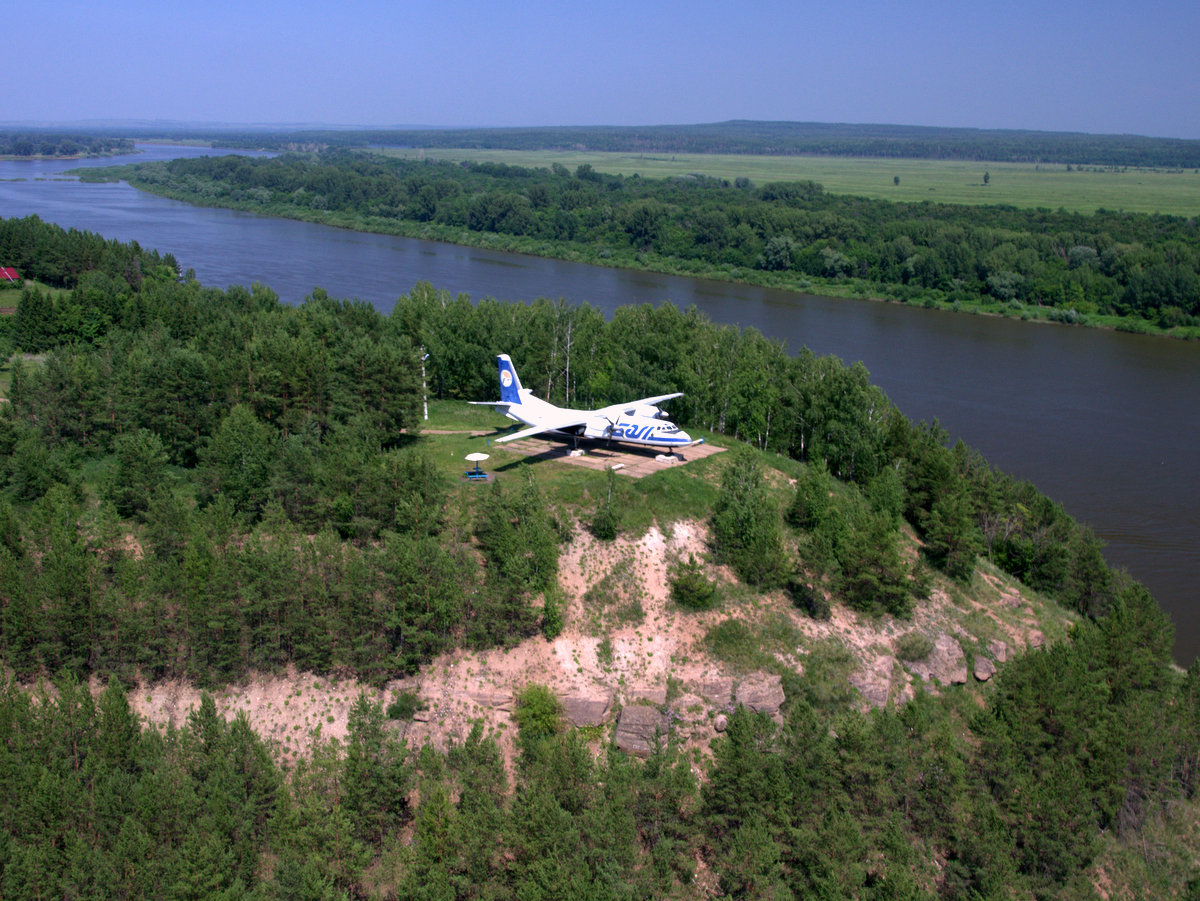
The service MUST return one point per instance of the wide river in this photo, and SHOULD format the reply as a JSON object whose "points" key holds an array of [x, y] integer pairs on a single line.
{"points": [[1106, 423]]}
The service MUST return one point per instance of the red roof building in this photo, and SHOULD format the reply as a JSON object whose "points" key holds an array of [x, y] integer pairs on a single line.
{"points": [[9, 274]]}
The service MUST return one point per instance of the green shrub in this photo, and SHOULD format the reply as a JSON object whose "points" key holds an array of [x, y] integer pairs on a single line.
{"points": [[538, 715], [405, 706], [808, 599], [552, 618], [605, 523], [690, 587], [914, 646], [604, 651]]}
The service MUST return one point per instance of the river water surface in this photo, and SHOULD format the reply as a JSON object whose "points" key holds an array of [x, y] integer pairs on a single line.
{"points": [[1106, 423]]}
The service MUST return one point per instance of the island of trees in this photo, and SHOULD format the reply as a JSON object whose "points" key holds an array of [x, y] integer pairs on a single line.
{"points": [[48, 144], [204, 484], [1137, 272]]}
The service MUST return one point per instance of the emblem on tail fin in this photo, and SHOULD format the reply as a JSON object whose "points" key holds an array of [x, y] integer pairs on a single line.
{"points": [[510, 385]]}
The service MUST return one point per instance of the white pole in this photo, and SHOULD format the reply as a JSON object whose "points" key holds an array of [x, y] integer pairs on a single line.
{"points": [[424, 390]]}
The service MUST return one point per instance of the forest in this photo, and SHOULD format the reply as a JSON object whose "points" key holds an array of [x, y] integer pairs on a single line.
{"points": [[1135, 271], [204, 484], [50, 144]]}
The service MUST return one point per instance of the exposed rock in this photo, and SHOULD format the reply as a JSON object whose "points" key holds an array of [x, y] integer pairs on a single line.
{"points": [[639, 730], [1036, 639], [875, 682], [946, 663], [720, 722], [717, 691], [762, 693], [493, 698], [999, 650], [650, 695], [586, 711], [984, 668]]}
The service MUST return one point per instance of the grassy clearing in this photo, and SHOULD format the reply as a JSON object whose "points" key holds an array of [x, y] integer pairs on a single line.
{"points": [[1029, 186], [678, 493]]}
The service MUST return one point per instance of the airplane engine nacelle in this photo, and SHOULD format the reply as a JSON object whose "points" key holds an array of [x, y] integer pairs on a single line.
{"points": [[598, 427], [650, 412]]}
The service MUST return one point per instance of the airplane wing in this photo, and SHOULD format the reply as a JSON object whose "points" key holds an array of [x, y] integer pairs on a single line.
{"points": [[498, 404], [651, 401], [549, 424], [617, 409]]}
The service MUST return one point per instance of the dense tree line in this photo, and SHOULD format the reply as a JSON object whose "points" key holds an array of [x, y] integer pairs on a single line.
{"points": [[1133, 265], [750, 137], [102, 277], [40, 143]]}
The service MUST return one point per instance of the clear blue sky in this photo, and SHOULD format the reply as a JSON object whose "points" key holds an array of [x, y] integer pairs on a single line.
{"points": [[1101, 67]]}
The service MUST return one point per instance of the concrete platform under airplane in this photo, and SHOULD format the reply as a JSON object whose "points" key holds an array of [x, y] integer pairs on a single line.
{"points": [[628, 460]]}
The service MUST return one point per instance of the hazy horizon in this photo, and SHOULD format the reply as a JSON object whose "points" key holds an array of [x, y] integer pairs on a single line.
{"points": [[268, 127], [1104, 68]]}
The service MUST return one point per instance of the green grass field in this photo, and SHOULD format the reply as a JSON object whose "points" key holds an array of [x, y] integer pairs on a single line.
{"points": [[1174, 192]]}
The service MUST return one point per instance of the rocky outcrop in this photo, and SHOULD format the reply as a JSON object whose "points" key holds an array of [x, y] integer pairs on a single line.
{"points": [[999, 650], [718, 691], [497, 699], [640, 730], [761, 693], [984, 668], [588, 710], [874, 682], [946, 663], [649, 695]]}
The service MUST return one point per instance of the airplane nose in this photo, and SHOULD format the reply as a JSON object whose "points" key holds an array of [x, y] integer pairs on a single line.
{"points": [[687, 439]]}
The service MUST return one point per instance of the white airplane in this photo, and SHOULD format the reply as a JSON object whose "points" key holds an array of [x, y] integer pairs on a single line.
{"points": [[638, 422]]}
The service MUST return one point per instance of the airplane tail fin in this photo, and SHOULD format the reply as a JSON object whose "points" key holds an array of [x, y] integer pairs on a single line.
{"points": [[510, 385]]}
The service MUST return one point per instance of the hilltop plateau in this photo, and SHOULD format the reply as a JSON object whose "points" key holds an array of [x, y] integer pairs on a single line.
{"points": [[805, 666]]}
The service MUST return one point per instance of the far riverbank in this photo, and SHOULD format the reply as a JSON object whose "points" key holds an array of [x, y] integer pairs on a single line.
{"points": [[258, 202]]}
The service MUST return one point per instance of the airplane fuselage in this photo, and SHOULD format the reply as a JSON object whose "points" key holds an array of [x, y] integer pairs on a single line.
{"points": [[639, 422], [605, 424]]}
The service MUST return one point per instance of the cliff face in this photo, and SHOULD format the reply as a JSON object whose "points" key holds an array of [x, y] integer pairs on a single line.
{"points": [[633, 665]]}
